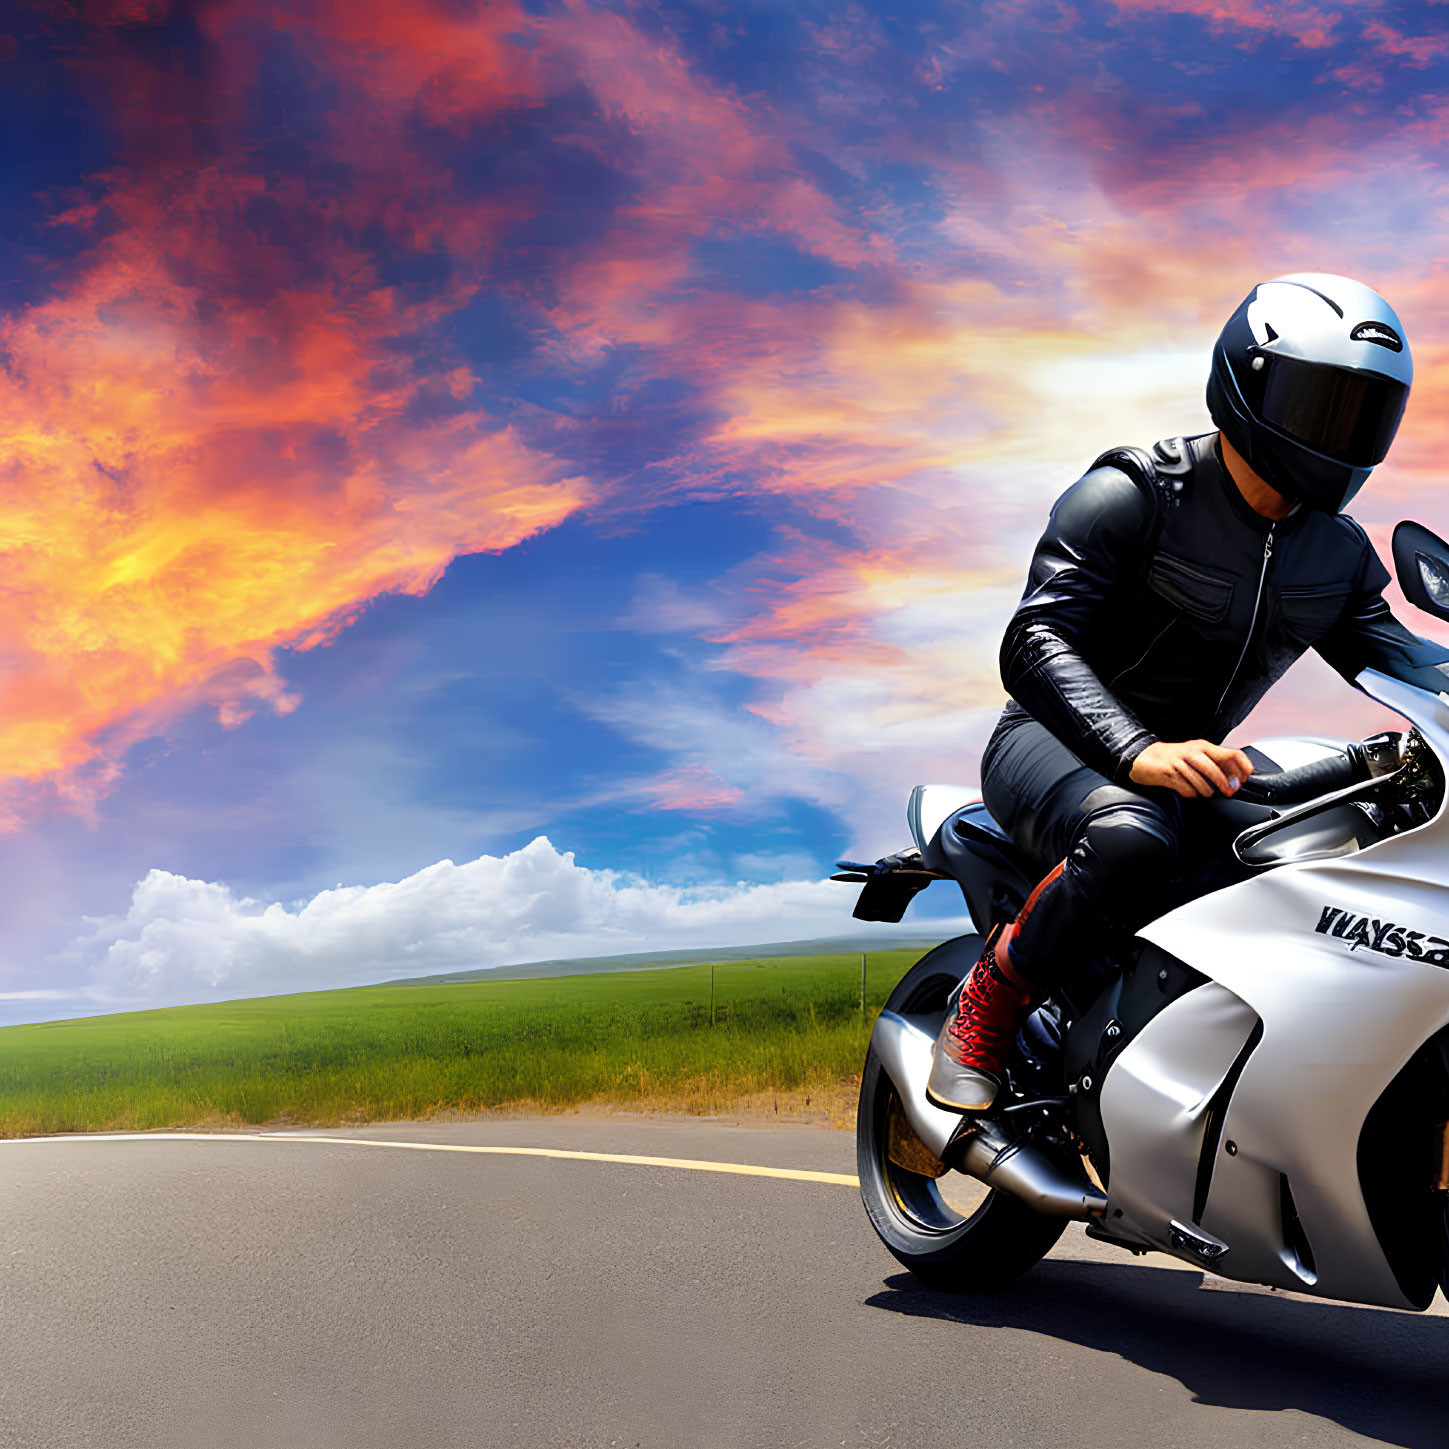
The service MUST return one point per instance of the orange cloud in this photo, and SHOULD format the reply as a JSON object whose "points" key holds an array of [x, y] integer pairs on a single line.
{"points": [[169, 514], [214, 447], [221, 437]]}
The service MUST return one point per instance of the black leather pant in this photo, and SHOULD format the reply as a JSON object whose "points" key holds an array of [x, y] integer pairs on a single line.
{"points": [[1107, 852]]}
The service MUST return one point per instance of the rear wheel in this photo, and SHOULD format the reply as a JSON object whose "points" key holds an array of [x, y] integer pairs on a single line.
{"points": [[952, 1232]]}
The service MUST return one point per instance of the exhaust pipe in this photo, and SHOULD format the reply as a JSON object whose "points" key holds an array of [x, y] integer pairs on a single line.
{"points": [[904, 1047], [1018, 1168]]}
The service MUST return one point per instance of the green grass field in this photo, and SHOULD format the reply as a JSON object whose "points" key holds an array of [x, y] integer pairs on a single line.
{"points": [[786, 1028]]}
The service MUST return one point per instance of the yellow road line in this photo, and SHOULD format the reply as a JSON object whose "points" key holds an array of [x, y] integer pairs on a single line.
{"points": [[689, 1164]]}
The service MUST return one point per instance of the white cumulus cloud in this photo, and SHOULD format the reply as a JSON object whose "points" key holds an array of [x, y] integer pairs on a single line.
{"points": [[189, 940]]}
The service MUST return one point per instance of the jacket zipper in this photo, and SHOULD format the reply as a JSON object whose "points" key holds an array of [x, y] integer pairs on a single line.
{"points": [[1253, 622]]}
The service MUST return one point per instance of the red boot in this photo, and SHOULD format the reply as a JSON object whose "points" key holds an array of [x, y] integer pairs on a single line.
{"points": [[976, 1038]]}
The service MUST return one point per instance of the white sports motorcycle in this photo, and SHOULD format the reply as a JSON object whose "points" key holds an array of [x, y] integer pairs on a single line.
{"points": [[1257, 1083]]}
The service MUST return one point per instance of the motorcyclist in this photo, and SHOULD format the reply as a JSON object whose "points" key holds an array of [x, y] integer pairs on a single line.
{"points": [[1165, 597]]}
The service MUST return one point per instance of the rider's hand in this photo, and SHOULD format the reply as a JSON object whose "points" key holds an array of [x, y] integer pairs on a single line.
{"points": [[1193, 768]]}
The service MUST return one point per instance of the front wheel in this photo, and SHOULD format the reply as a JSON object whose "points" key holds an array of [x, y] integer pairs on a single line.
{"points": [[953, 1233]]}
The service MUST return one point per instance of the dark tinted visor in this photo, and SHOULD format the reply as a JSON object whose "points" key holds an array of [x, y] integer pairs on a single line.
{"points": [[1349, 416]]}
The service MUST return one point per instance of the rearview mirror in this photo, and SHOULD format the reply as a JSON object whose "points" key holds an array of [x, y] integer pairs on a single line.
{"points": [[1421, 560]]}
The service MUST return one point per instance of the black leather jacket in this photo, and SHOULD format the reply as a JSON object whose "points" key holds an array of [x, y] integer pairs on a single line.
{"points": [[1164, 608]]}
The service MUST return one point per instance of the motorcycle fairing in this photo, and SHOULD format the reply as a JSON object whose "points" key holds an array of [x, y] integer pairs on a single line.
{"points": [[1341, 1015]]}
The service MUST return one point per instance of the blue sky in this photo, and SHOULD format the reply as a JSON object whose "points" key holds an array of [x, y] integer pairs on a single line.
{"points": [[431, 427]]}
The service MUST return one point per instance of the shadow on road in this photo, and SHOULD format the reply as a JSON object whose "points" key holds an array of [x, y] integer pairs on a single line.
{"points": [[1380, 1374]]}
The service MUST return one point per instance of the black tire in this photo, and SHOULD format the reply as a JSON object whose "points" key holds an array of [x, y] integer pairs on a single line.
{"points": [[950, 1253]]}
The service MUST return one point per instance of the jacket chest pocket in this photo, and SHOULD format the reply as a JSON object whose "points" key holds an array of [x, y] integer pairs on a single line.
{"points": [[1205, 593], [1309, 611]]}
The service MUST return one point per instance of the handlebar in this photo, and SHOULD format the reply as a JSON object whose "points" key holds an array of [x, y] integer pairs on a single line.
{"points": [[1306, 782], [1377, 755]]}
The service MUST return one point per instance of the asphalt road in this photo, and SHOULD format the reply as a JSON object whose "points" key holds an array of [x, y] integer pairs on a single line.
{"points": [[189, 1294]]}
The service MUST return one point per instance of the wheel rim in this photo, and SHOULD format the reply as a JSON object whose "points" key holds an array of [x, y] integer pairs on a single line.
{"points": [[914, 1198]]}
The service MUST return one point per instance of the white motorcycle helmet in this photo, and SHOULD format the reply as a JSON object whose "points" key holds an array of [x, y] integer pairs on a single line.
{"points": [[1309, 380]]}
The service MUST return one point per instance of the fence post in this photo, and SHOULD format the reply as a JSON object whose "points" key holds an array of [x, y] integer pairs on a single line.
{"points": [[862, 983], [711, 993]]}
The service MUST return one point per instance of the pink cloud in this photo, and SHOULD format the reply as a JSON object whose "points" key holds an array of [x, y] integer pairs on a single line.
{"points": [[1310, 25]]}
